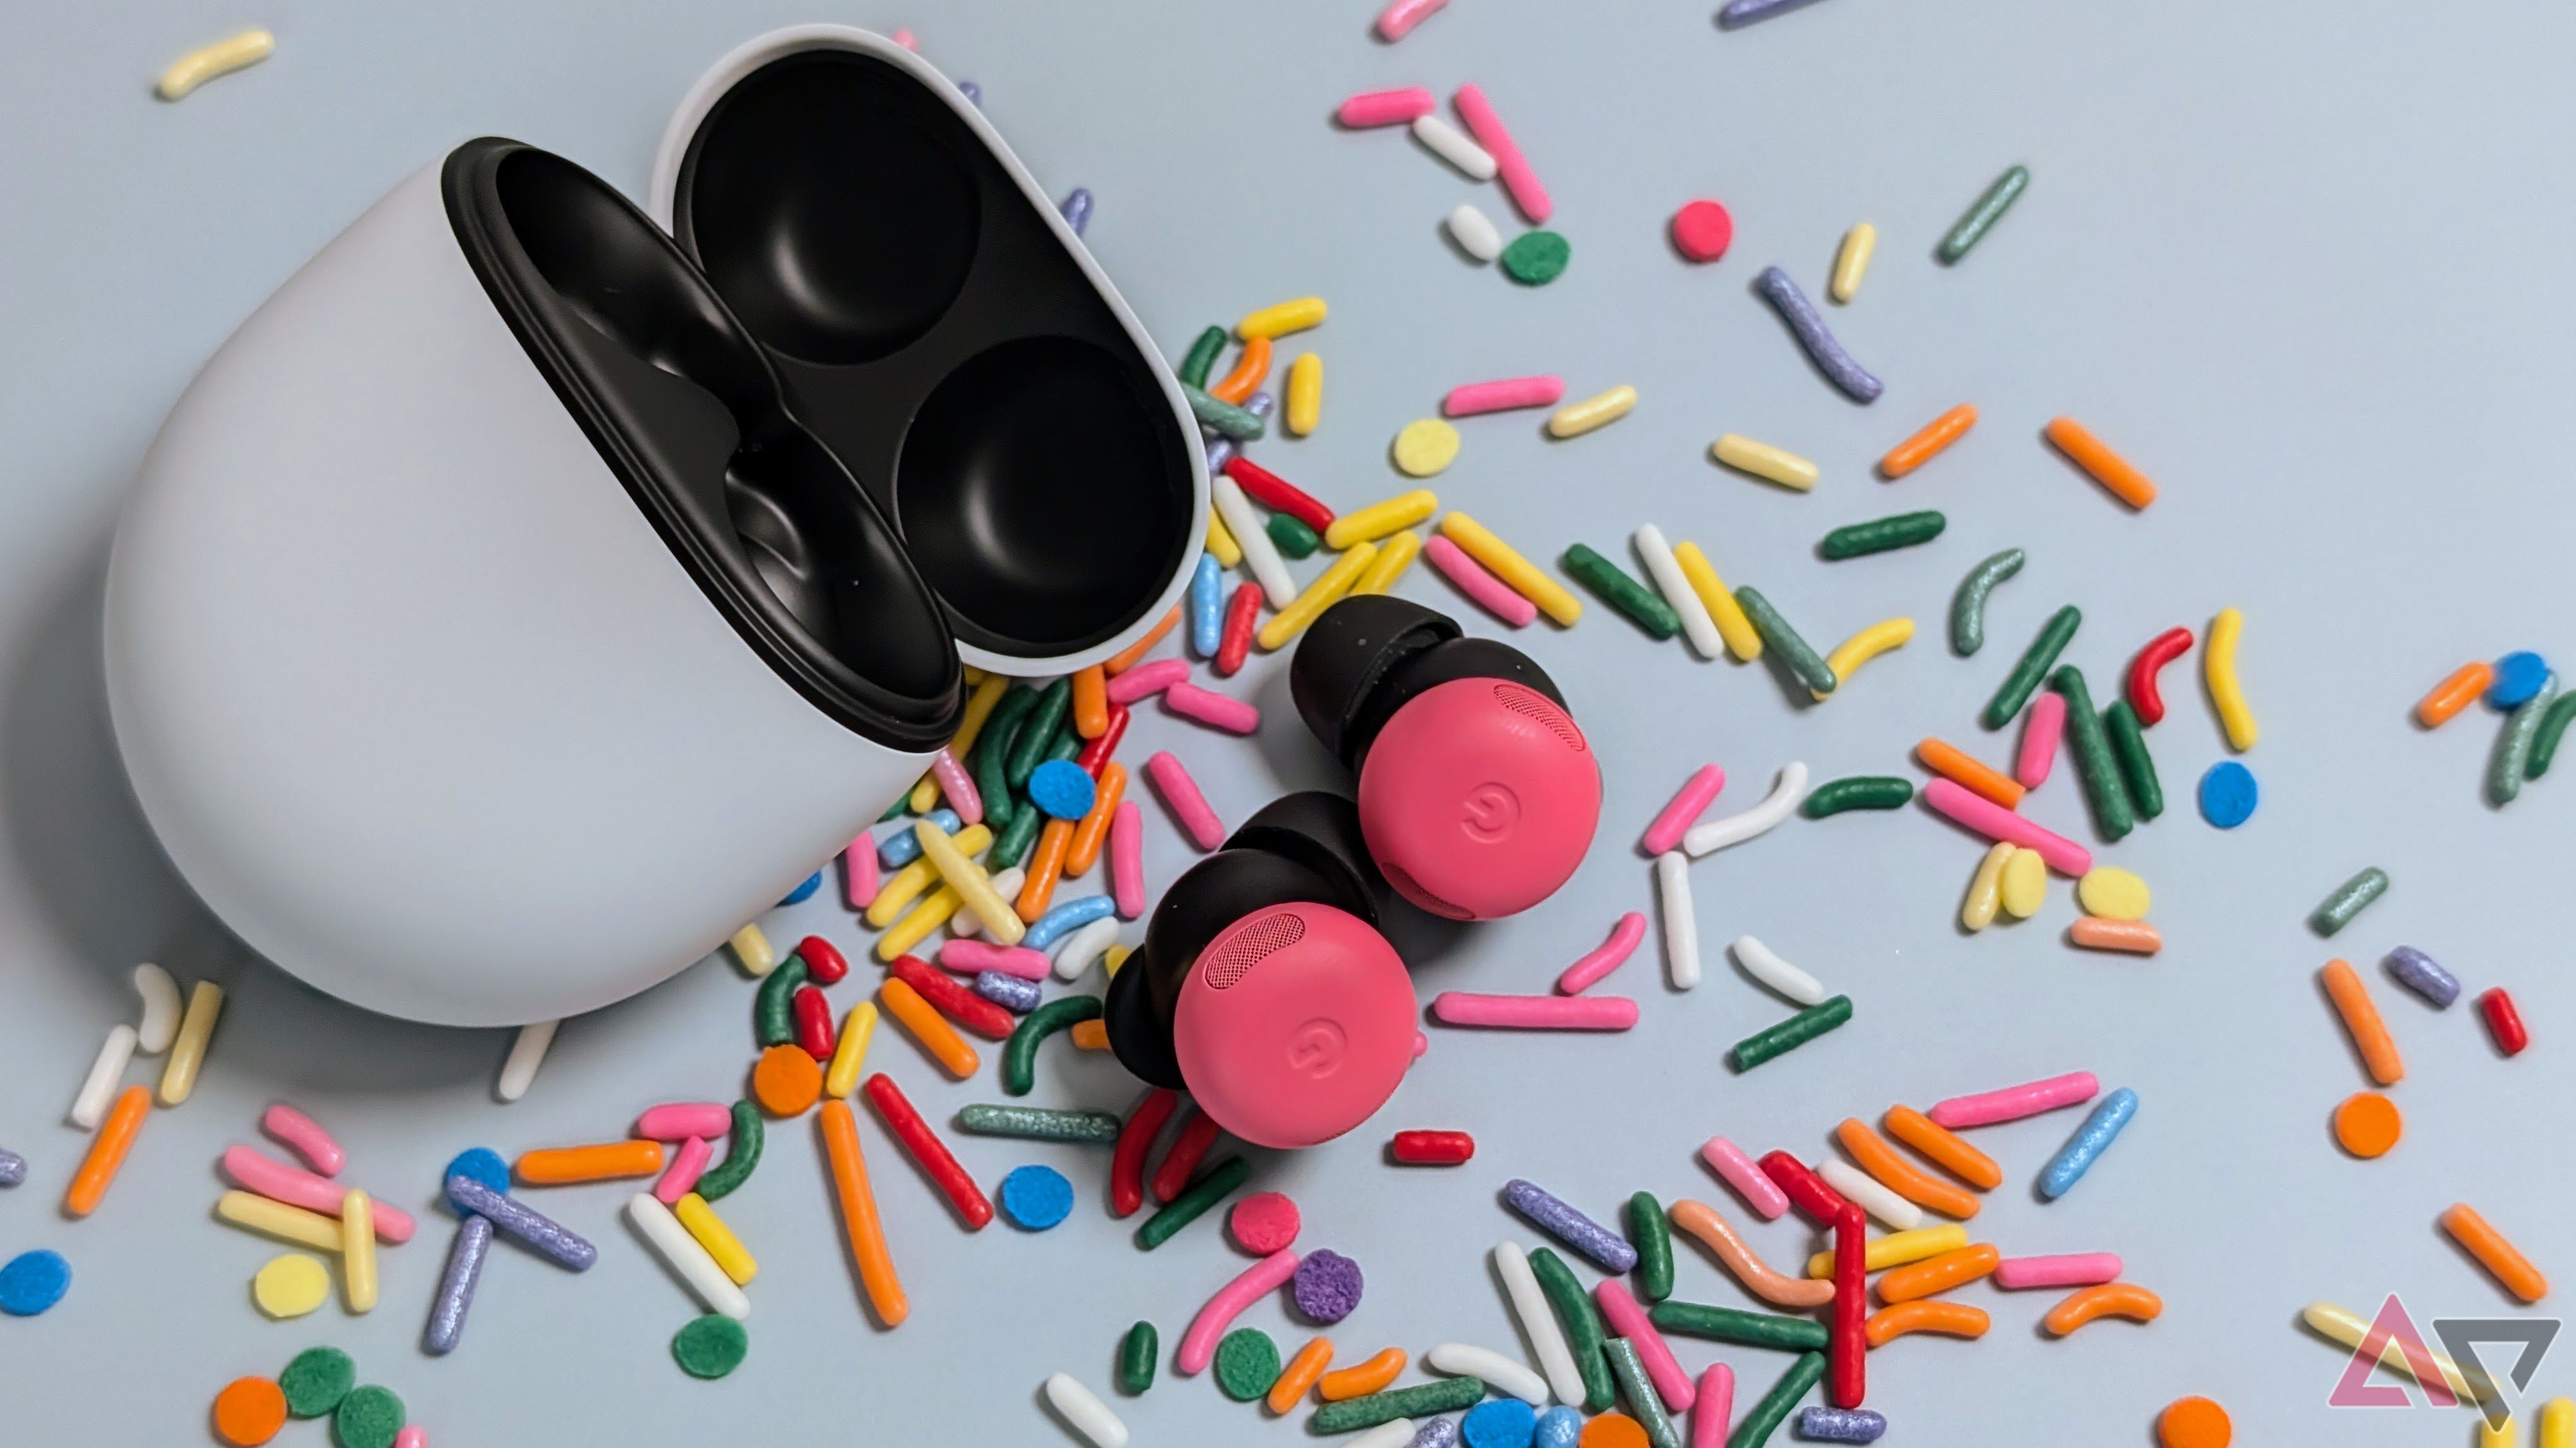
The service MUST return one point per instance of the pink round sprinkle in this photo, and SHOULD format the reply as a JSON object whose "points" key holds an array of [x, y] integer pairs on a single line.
{"points": [[1470, 398], [859, 873], [2012, 1103], [1264, 1222], [2039, 730], [1535, 1013], [1509, 163], [1696, 793], [1172, 780], [1385, 108], [970, 957], [1147, 680], [413, 1435], [1234, 716], [1702, 230], [1398, 19], [1492, 593], [681, 1177], [1127, 859], [1624, 936], [680, 1120], [1737, 1170], [957, 786], [2076, 1269], [305, 1137]]}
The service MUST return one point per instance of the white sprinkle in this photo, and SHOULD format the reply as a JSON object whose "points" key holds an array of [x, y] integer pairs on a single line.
{"points": [[106, 1073], [1089, 1416], [1007, 884], [1766, 966], [680, 1252], [1666, 570], [1538, 1321], [1451, 145], [527, 1053], [1735, 829], [1681, 924], [160, 1009], [1084, 946], [1867, 1193], [1466, 1360], [1475, 233], [1393, 1433], [1259, 553]]}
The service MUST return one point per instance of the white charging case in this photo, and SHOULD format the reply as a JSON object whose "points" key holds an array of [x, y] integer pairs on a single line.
{"points": [[521, 601]]}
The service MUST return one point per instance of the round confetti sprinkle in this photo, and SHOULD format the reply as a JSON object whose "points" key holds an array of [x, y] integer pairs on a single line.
{"points": [[1327, 1286], [33, 1281], [291, 1285], [368, 1417], [1062, 788], [1498, 1423], [2368, 1124], [1264, 1222], [1702, 230], [2194, 1423], [1247, 1363], [2112, 893], [2228, 794], [1536, 258], [1613, 1430], [2518, 676], [317, 1380], [1425, 446], [1558, 1427], [786, 1081], [710, 1346], [1036, 1197], [479, 1163], [1294, 538], [249, 1411]]}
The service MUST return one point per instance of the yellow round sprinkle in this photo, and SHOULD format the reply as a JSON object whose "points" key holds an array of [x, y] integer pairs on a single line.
{"points": [[2112, 893], [1425, 447], [2025, 884], [291, 1285]]}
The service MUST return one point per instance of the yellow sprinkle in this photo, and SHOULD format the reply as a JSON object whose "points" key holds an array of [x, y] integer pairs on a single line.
{"points": [[1763, 460], [926, 917], [2342, 1326], [2219, 661], [1514, 570], [1866, 645], [2499, 1435], [752, 948], [1221, 543], [2112, 893], [1577, 418], [1425, 446], [907, 884], [277, 1219], [188, 1048], [1305, 394], [1375, 521], [973, 674], [1091, 1035], [358, 1250], [1742, 639], [1282, 319], [2558, 1423], [1986, 890], [1323, 593], [979, 707], [1852, 262], [199, 66], [850, 1053], [925, 793], [2025, 883], [1394, 556], [973, 888], [716, 1237], [291, 1285], [1898, 1248]]}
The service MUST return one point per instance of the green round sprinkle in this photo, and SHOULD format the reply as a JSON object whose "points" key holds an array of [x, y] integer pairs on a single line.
{"points": [[1800, 656], [2094, 765], [1037, 731], [1020, 1052], [773, 1016], [2544, 743], [1536, 258], [2137, 766], [2512, 759], [1449, 1395], [1294, 538], [1211, 1188], [710, 1346], [1744, 1329], [735, 1169], [1012, 845], [1641, 604], [1777, 1404], [1136, 1354], [1792, 1033], [1040, 1123], [2035, 663], [1905, 530], [1584, 1331], [1968, 605], [1643, 1405], [1241, 424], [2349, 900], [1202, 357], [1653, 1239], [1247, 1363], [368, 1417], [317, 1380], [1981, 218], [1860, 791]]}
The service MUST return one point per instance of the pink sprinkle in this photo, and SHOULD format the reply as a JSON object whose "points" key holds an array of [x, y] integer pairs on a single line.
{"points": [[681, 1120], [1258, 1281], [1514, 167], [1234, 716], [1127, 859], [413, 1435], [305, 1137], [1737, 1170], [2012, 1103], [1398, 19], [1629, 1320], [1716, 1405], [859, 873], [1385, 108], [2079, 1269], [1421, 1045], [1495, 595], [904, 39], [1995, 822], [2039, 730], [1146, 680], [1667, 830], [1624, 936], [970, 957], [1172, 780], [1535, 1013], [957, 786], [1470, 398], [297, 1187], [681, 1176]]}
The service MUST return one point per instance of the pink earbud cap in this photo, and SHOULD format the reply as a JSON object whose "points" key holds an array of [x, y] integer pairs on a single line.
{"points": [[1479, 798], [1295, 1026]]}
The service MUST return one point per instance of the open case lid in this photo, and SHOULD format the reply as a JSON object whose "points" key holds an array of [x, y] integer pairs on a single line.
{"points": [[943, 332]]}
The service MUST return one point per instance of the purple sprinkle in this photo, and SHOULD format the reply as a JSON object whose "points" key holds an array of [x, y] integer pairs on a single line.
{"points": [[456, 1286], [1809, 328], [1740, 13], [1011, 993], [546, 1237], [1220, 451], [974, 92], [2416, 971], [13, 1168], [1077, 209], [1606, 1248], [1327, 1286], [1259, 404], [1438, 1433], [1842, 1425]]}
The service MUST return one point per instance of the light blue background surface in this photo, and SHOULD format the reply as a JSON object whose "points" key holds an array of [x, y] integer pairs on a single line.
{"points": [[2295, 261]]}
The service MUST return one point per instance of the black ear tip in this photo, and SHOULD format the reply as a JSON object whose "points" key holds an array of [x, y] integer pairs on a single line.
{"points": [[1321, 831], [1347, 651], [1139, 1036]]}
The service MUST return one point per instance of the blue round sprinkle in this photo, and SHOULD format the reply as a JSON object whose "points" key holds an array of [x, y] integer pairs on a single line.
{"points": [[1036, 1197], [1558, 1427], [2518, 676], [481, 1163], [33, 1281], [1062, 788], [1499, 1423], [2228, 794], [804, 892]]}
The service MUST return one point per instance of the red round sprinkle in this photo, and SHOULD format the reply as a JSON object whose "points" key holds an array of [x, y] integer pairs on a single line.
{"points": [[813, 1022], [1264, 1222], [1432, 1148], [2504, 1022], [823, 962], [1702, 230]]}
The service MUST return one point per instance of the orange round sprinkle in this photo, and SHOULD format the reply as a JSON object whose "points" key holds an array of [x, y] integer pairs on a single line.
{"points": [[249, 1411], [2367, 1124], [2194, 1423], [787, 1081], [1613, 1430]]}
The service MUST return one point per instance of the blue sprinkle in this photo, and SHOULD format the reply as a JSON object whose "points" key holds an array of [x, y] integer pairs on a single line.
{"points": [[1740, 13], [2228, 794], [1207, 606], [1062, 788], [2417, 972], [1854, 380], [1008, 991], [1608, 1250], [1841, 1425], [1499, 1423], [484, 1165], [804, 892], [1443, 1433], [1077, 209], [1036, 1197], [1259, 404], [973, 91], [2089, 1142], [1220, 451], [33, 1281], [13, 1168], [1558, 1427], [903, 846], [1067, 918], [2518, 676]]}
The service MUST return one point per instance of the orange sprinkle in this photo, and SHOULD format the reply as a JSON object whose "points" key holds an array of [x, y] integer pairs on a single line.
{"points": [[107, 1151], [1046, 866], [1300, 1374], [786, 1081], [1094, 829], [1361, 1379], [249, 1411], [1952, 1319], [1091, 702], [2194, 1423], [1130, 656], [1759, 1277], [1938, 1274], [2107, 467], [1875, 1156], [564, 1165], [2494, 1253], [2094, 932], [2454, 694], [1091, 1035], [1613, 1430], [1945, 1147], [1928, 444], [859, 1212], [1249, 370], [2110, 1299], [1951, 762], [927, 1026], [2367, 1124], [2369, 1033]]}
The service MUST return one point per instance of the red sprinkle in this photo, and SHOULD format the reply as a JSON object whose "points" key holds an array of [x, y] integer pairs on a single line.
{"points": [[1096, 753], [1806, 1191], [1277, 494], [1236, 643], [2161, 650], [1850, 1342], [1431, 1148], [929, 1151], [1135, 1142], [824, 964], [813, 1021], [1188, 1150], [2504, 1022], [952, 999]]}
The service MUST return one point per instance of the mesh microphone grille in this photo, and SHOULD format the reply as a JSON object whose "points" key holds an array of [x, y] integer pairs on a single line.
{"points": [[1538, 706], [1250, 946]]}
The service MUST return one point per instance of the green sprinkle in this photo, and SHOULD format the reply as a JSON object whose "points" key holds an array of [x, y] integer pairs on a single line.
{"points": [[2137, 766], [1202, 357], [1536, 258], [2515, 745], [368, 1417], [1068, 742], [1981, 218], [1037, 731], [1247, 1363], [902, 806], [1968, 605], [1210, 1189], [1229, 420], [1905, 530], [1295, 539], [1792, 1033], [720, 1180], [2035, 663], [1773, 1410], [1020, 1052], [1449, 1395], [1745, 1329], [993, 751], [1797, 653], [1653, 1238], [1860, 791], [1012, 845], [2094, 762], [1584, 1332], [773, 1017], [1136, 1354], [2544, 743], [1641, 604], [316, 1381], [2349, 899], [1039, 1123], [710, 1346], [1643, 1405]]}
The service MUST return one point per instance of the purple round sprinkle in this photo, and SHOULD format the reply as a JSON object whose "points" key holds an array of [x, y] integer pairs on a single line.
{"points": [[1437, 1433], [1011, 993], [13, 1168], [1740, 13], [2416, 971], [1077, 209], [1842, 1425], [542, 1235], [1809, 328], [1327, 1286], [1607, 1249], [456, 1286]]}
